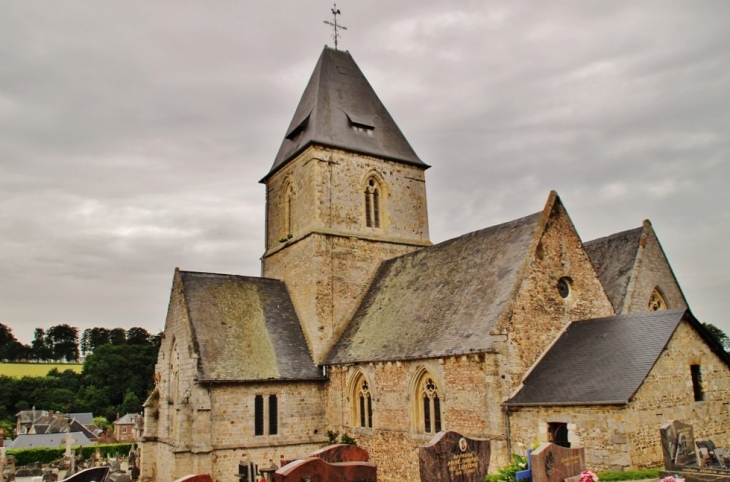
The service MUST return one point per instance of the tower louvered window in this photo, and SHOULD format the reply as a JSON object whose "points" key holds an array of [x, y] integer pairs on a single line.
{"points": [[372, 204]]}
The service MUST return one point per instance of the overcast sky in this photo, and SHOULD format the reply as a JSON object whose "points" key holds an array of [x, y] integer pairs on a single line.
{"points": [[133, 134]]}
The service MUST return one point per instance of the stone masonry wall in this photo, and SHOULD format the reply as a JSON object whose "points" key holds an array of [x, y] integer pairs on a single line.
{"points": [[208, 429], [620, 438], [332, 255], [328, 187], [653, 271], [468, 406], [326, 277], [540, 313], [169, 420], [301, 424], [667, 394]]}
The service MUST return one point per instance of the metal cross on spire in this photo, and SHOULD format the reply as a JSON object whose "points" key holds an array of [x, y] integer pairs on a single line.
{"points": [[335, 25]]}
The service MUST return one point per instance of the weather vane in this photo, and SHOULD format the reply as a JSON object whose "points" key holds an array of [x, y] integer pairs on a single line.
{"points": [[335, 25]]}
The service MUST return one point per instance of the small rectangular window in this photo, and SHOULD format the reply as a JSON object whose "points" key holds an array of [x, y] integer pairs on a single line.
{"points": [[273, 415], [259, 415], [697, 383]]}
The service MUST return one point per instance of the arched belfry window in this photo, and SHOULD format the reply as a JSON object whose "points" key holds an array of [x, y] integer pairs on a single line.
{"points": [[428, 400], [373, 193], [362, 402], [656, 301]]}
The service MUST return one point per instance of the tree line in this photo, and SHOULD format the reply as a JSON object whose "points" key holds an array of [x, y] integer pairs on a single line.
{"points": [[61, 342], [116, 378]]}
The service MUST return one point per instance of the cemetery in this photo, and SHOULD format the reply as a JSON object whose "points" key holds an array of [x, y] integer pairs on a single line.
{"points": [[448, 457], [694, 460]]}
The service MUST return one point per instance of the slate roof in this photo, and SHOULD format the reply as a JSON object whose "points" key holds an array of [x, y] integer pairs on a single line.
{"points": [[47, 440], [604, 361], [245, 329], [84, 418], [613, 259], [441, 300], [127, 419], [340, 109], [26, 416]]}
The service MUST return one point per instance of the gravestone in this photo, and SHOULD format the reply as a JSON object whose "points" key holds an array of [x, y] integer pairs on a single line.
{"points": [[553, 463], [680, 457], [341, 453], [313, 469], [678, 444], [195, 478], [452, 457], [94, 474]]}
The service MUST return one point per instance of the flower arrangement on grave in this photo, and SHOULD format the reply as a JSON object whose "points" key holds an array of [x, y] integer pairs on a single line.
{"points": [[672, 478], [588, 476]]}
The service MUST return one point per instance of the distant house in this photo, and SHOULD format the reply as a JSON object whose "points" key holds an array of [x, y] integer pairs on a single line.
{"points": [[127, 428], [25, 419], [41, 422]]}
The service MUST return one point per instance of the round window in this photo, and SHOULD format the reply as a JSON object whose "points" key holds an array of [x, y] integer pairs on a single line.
{"points": [[564, 287]]}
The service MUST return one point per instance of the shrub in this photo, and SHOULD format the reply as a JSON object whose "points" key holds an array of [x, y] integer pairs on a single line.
{"points": [[509, 473]]}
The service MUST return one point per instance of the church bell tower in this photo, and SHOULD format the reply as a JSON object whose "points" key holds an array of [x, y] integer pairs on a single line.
{"points": [[345, 193]]}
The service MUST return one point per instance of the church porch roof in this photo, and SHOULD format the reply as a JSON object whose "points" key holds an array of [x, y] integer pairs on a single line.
{"points": [[604, 361], [245, 329]]}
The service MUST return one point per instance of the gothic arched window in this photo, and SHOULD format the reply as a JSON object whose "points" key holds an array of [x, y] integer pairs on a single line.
{"points": [[429, 405], [362, 402], [656, 301], [372, 203]]}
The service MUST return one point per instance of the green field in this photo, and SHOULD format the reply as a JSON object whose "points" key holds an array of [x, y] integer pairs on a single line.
{"points": [[19, 370]]}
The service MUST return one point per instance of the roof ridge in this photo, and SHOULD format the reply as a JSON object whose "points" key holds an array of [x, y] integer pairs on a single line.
{"points": [[205, 274], [639, 229]]}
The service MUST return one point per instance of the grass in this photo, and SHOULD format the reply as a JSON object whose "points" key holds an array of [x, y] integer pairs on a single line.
{"points": [[20, 370], [629, 475]]}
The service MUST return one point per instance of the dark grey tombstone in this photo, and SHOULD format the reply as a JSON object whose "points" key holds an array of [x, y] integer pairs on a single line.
{"points": [[553, 463], [678, 444], [452, 457]]}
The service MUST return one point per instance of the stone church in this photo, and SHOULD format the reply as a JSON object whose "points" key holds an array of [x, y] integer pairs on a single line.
{"points": [[518, 333]]}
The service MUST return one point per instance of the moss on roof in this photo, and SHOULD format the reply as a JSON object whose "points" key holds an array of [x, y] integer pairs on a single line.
{"points": [[245, 329]]}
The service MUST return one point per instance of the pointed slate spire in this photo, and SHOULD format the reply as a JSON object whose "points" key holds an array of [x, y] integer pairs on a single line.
{"points": [[340, 109]]}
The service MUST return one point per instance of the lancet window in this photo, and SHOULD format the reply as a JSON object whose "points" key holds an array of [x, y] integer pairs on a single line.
{"points": [[362, 403], [429, 405], [656, 301]]}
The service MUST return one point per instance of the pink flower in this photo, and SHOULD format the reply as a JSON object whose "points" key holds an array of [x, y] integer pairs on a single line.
{"points": [[588, 476]]}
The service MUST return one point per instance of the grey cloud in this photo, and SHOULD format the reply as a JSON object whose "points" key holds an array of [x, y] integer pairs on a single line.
{"points": [[133, 136]]}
